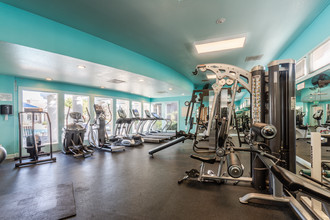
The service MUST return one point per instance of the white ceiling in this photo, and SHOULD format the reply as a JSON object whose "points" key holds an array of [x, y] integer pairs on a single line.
{"points": [[165, 30], [28, 62]]}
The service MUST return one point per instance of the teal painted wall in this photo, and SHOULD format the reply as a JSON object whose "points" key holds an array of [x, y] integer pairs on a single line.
{"points": [[313, 35], [9, 129], [317, 32], [24, 28]]}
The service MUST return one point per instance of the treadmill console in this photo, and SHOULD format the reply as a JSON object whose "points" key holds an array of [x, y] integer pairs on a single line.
{"points": [[136, 113], [121, 113], [155, 115], [147, 113]]}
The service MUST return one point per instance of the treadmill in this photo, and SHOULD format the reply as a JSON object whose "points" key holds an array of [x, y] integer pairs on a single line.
{"points": [[163, 132], [155, 117], [141, 123]]}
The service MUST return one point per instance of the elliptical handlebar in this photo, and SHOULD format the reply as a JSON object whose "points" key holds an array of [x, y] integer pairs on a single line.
{"points": [[76, 120], [110, 113]]}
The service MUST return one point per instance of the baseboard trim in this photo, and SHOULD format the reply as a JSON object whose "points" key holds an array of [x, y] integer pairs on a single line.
{"points": [[11, 156]]}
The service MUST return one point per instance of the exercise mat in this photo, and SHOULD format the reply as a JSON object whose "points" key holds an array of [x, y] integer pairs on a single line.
{"points": [[55, 202]]}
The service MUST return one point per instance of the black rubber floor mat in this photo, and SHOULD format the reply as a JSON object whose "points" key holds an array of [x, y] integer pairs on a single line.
{"points": [[49, 203]]}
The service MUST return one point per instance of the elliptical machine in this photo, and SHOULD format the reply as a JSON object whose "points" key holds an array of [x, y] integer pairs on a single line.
{"points": [[73, 141], [318, 117], [98, 136], [322, 128]]}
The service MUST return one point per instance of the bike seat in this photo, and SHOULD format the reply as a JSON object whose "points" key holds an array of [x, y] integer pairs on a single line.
{"points": [[210, 160]]}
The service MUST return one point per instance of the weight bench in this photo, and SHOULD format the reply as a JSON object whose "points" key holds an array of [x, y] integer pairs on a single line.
{"points": [[293, 183]]}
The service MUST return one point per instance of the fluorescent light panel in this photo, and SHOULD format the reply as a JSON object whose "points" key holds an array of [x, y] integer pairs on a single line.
{"points": [[220, 45], [213, 76]]}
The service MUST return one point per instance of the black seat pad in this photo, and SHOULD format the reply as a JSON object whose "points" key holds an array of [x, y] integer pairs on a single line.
{"points": [[303, 127], [294, 182], [210, 160]]}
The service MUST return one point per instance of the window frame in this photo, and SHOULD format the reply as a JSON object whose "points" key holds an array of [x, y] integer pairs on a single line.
{"points": [[21, 89], [310, 65]]}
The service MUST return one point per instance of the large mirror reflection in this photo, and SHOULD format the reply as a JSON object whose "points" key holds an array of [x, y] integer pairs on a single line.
{"points": [[313, 113]]}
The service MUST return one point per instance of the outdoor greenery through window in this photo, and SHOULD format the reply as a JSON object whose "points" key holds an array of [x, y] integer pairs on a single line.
{"points": [[171, 112], [157, 108]]}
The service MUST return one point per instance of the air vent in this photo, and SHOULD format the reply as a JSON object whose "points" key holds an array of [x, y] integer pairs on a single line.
{"points": [[161, 92], [116, 81], [253, 58]]}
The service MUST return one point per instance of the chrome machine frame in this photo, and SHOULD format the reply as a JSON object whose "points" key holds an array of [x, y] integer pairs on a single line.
{"points": [[232, 76]]}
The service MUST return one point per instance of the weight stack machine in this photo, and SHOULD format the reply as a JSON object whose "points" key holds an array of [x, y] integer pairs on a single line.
{"points": [[282, 110], [258, 113], [273, 101]]}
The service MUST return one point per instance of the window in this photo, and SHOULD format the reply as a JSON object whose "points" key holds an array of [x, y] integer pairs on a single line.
{"points": [[48, 102], [171, 112], [107, 105], [320, 56], [146, 106], [137, 106], [157, 108], [77, 103], [301, 68], [122, 104]]}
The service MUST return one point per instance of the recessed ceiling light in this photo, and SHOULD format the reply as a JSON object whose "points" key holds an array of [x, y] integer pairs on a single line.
{"points": [[81, 67], [220, 45], [170, 89], [102, 87], [182, 94], [221, 20], [49, 79], [213, 76], [141, 80], [115, 81]]}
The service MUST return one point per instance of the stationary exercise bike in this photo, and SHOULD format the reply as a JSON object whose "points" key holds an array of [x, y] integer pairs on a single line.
{"points": [[36, 142], [98, 136], [74, 133], [322, 128], [301, 129]]}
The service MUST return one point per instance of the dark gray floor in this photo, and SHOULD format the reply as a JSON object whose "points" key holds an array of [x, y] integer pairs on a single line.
{"points": [[303, 150], [46, 203], [131, 185]]}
